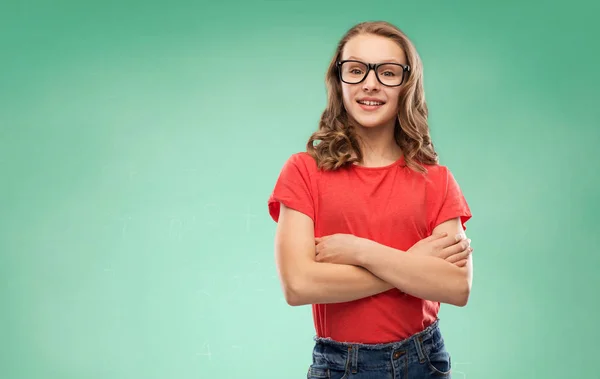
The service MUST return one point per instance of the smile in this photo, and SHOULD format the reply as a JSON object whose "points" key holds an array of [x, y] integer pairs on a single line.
{"points": [[370, 103]]}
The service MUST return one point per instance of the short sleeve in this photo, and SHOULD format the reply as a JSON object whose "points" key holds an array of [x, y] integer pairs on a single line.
{"points": [[293, 188], [449, 201]]}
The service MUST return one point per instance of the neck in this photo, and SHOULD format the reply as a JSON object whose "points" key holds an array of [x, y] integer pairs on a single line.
{"points": [[378, 145]]}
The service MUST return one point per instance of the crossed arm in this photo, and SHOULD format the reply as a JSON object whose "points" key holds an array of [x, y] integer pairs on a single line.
{"points": [[306, 281]]}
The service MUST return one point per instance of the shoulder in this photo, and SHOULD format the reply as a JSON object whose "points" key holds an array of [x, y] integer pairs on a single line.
{"points": [[302, 162], [436, 173], [440, 179], [436, 170], [304, 159]]}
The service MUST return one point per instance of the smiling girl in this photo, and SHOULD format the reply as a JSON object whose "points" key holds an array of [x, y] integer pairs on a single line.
{"points": [[370, 227]]}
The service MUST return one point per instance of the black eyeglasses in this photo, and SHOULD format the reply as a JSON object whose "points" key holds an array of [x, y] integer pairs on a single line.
{"points": [[388, 74]]}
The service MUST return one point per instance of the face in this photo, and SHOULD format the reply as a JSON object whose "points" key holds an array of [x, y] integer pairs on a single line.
{"points": [[370, 102]]}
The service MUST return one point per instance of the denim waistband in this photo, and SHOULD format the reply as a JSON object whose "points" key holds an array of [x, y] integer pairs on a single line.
{"points": [[350, 355]]}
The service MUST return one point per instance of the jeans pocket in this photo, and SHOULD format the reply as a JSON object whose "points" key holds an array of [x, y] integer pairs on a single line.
{"points": [[318, 372], [439, 361]]}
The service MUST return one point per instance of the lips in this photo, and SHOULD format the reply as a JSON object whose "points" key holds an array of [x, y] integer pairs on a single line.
{"points": [[371, 102]]}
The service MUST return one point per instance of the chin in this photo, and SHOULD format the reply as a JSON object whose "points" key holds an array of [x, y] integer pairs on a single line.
{"points": [[368, 123], [373, 121]]}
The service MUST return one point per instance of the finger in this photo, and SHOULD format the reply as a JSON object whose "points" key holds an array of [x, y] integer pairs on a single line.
{"points": [[456, 256], [456, 238], [456, 248], [448, 241], [460, 256], [459, 236], [320, 239], [461, 263]]}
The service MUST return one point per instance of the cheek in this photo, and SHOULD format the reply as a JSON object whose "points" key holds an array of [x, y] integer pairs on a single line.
{"points": [[393, 100], [347, 97]]}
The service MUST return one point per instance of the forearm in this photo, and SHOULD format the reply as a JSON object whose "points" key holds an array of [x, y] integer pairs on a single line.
{"points": [[322, 283], [428, 278]]}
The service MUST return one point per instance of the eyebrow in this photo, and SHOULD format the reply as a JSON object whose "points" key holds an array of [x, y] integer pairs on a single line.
{"points": [[383, 61]]}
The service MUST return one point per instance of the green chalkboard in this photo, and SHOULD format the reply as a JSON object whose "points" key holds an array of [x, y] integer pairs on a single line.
{"points": [[139, 142]]}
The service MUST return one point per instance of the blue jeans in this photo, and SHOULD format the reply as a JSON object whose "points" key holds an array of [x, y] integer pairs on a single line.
{"points": [[420, 356]]}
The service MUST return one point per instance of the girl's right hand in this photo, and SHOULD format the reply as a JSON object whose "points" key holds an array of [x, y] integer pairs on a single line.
{"points": [[454, 249]]}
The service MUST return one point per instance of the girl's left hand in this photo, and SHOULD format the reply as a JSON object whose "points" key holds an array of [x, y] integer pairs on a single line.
{"points": [[338, 248]]}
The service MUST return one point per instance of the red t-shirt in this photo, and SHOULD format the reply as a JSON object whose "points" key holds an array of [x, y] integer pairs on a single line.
{"points": [[392, 205]]}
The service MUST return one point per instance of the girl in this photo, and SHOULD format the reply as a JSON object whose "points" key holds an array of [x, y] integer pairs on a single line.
{"points": [[370, 227]]}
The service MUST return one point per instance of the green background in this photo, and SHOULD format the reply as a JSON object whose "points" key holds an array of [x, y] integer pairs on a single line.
{"points": [[139, 141]]}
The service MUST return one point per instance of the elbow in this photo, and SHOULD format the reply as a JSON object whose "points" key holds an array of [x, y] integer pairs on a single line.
{"points": [[462, 294], [292, 297], [293, 292], [294, 301], [462, 300]]}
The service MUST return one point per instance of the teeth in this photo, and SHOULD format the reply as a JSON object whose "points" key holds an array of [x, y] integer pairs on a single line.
{"points": [[370, 103]]}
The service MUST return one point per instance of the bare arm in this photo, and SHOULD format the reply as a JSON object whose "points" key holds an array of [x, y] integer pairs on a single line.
{"points": [[426, 277], [306, 281]]}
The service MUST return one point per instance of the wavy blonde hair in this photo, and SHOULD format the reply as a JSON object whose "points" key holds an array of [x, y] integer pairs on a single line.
{"points": [[338, 144]]}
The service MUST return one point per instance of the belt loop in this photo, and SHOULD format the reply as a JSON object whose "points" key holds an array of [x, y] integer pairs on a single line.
{"points": [[419, 346], [353, 358]]}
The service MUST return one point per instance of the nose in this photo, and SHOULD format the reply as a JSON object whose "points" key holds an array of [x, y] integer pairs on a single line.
{"points": [[371, 83]]}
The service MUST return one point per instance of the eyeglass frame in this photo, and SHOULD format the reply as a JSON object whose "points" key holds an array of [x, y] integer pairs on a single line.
{"points": [[374, 67]]}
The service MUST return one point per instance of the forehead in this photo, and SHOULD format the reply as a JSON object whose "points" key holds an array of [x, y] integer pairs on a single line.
{"points": [[372, 48]]}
